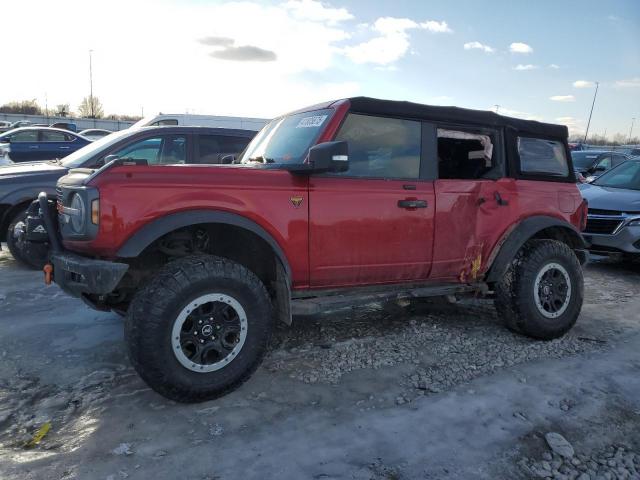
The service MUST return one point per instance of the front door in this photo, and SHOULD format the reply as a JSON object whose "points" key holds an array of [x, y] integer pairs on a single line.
{"points": [[373, 223]]}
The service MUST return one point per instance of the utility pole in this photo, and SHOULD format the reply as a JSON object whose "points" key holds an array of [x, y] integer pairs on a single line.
{"points": [[633, 120], [497, 108], [91, 84], [591, 112]]}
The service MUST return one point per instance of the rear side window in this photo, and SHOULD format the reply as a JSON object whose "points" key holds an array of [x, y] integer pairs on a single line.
{"points": [[381, 147], [211, 148], [53, 136], [542, 157]]}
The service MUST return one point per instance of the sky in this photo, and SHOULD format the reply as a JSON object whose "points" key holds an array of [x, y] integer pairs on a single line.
{"points": [[537, 60]]}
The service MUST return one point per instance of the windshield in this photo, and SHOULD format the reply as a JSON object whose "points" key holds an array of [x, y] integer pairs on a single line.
{"points": [[583, 159], [287, 139], [79, 157], [625, 175]]}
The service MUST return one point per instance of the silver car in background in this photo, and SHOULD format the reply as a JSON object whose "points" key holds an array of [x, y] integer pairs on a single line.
{"points": [[613, 221]]}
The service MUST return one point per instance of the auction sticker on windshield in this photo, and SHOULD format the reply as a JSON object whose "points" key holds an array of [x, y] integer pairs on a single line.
{"points": [[311, 122]]}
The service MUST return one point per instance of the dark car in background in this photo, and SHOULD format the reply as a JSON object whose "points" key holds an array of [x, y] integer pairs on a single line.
{"points": [[613, 219], [40, 143], [21, 183], [593, 163], [72, 127]]}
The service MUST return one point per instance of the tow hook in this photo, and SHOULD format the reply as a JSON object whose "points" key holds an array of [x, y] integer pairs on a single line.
{"points": [[48, 273]]}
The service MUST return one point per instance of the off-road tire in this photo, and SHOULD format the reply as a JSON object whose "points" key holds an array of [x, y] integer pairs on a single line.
{"points": [[155, 308], [514, 294], [35, 259]]}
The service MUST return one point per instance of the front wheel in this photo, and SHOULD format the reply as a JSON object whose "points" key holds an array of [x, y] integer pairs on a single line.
{"points": [[199, 329], [542, 291]]}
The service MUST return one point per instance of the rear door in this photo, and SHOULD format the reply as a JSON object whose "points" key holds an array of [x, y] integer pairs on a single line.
{"points": [[475, 204], [373, 223], [55, 144]]}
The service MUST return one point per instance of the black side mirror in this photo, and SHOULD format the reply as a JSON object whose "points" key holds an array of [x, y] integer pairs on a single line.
{"points": [[325, 157]]}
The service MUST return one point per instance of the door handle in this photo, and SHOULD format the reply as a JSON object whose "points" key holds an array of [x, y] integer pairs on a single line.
{"points": [[64, 148], [34, 147], [412, 203]]}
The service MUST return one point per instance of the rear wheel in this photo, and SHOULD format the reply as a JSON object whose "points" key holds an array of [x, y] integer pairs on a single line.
{"points": [[199, 329], [36, 256], [541, 293]]}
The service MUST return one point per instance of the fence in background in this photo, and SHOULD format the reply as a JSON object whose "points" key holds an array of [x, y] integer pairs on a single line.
{"points": [[82, 123]]}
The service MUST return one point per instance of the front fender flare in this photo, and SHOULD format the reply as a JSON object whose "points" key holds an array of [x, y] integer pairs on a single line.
{"points": [[515, 238], [150, 232]]}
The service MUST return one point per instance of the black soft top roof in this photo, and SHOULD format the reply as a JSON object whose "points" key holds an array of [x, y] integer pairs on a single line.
{"points": [[454, 115]]}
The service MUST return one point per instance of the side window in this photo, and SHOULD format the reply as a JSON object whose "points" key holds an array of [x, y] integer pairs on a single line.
{"points": [[542, 157], [25, 136], [381, 147], [53, 136], [604, 163], [208, 149], [233, 145], [464, 155], [156, 151], [166, 121]]}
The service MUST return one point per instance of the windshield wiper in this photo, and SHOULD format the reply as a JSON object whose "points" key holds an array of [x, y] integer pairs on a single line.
{"points": [[262, 159], [56, 161]]}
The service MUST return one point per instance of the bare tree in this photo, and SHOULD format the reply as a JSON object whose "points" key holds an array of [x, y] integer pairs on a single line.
{"points": [[62, 110], [25, 107], [91, 107]]}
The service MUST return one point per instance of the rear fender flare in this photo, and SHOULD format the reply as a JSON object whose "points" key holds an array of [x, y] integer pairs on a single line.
{"points": [[516, 237]]}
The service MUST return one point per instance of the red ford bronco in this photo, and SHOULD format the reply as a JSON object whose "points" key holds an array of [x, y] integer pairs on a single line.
{"points": [[332, 204]]}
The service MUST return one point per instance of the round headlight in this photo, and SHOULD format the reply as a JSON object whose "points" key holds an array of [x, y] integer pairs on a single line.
{"points": [[78, 218]]}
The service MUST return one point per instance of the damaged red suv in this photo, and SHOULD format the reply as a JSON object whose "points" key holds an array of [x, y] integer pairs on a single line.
{"points": [[328, 205]]}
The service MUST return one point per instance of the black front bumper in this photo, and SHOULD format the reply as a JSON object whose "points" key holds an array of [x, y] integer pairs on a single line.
{"points": [[79, 276]]}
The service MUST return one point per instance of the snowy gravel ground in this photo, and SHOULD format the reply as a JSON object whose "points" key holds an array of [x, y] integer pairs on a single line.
{"points": [[426, 389]]}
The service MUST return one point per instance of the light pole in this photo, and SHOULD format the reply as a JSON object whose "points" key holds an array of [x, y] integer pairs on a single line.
{"points": [[591, 112], [497, 108], [91, 84], [633, 120]]}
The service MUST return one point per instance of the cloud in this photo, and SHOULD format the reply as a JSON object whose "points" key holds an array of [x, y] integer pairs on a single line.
{"points": [[217, 41], [513, 113], [583, 84], [518, 47], [317, 11], [573, 124], [392, 40], [522, 67], [563, 98], [436, 27], [245, 53], [478, 46], [631, 82], [554, 66]]}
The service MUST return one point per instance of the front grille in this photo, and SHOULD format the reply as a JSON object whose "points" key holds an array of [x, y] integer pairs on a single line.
{"points": [[602, 226], [613, 213]]}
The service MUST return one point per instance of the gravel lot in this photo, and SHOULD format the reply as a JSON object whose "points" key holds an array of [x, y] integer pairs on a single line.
{"points": [[419, 390]]}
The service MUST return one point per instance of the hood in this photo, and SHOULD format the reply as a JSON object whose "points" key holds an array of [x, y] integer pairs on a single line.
{"points": [[30, 168], [608, 198]]}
